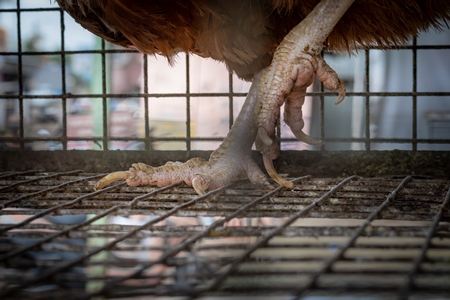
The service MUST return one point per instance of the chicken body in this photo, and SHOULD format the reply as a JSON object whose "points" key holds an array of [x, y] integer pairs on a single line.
{"points": [[245, 34], [275, 42]]}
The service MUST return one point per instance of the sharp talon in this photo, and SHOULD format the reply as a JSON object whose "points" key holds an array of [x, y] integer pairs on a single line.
{"points": [[110, 178], [200, 184], [307, 139], [268, 164], [264, 136], [342, 92]]}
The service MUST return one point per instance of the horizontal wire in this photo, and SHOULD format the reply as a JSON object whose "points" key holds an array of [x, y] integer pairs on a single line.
{"points": [[218, 94], [50, 189], [125, 50], [50, 210], [13, 174], [212, 139], [36, 9], [23, 182]]}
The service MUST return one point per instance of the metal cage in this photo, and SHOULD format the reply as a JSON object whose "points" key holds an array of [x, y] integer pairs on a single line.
{"points": [[358, 222]]}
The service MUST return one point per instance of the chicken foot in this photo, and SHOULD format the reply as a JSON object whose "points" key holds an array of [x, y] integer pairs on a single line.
{"points": [[296, 60], [230, 162]]}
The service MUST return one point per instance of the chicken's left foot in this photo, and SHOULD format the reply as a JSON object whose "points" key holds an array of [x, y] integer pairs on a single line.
{"points": [[230, 162]]}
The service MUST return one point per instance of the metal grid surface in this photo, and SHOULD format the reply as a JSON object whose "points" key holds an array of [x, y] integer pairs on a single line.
{"points": [[379, 237]]}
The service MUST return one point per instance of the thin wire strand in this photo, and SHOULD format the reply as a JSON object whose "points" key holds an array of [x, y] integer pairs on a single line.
{"points": [[188, 107], [146, 105], [63, 83], [414, 97], [20, 74], [105, 108], [367, 106]]}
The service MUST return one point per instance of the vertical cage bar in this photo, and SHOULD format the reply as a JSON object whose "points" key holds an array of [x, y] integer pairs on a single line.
{"points": [[414, 97], [63, 83], [104, 100], [279, 128], [322, 116], [20, 75], [322, 113], [230, 100], [146, 113], [367, 90], [188, 107]]}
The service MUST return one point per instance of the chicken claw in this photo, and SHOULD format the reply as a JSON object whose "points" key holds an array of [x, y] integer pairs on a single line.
{"points": [[110, 178], [268, 164]]}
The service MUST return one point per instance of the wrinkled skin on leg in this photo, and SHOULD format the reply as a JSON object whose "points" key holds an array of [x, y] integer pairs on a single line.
{"points": [[296, 61]]}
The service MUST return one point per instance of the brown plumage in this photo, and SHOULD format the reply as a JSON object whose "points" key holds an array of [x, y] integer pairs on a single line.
{"points": [[245, 33]]}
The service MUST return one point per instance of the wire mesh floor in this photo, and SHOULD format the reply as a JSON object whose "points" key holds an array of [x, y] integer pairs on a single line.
{"points": [[380, 237]]}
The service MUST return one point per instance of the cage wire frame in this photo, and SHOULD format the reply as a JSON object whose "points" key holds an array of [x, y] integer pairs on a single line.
{"points": [[146, 95], [37, 185], [104, 95]]}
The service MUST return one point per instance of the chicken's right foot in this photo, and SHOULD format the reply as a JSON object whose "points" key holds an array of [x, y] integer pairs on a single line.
{"points": [[295, 62]]}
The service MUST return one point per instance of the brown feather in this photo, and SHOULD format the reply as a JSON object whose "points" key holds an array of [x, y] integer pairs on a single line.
{"points": [[245, 33]]}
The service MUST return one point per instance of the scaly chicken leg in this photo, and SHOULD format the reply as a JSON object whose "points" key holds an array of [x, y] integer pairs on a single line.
{"points": [[295, 62], [292, 70]]}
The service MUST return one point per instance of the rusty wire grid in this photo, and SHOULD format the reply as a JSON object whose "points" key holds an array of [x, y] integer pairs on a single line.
{"points": [[354, 236]]}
